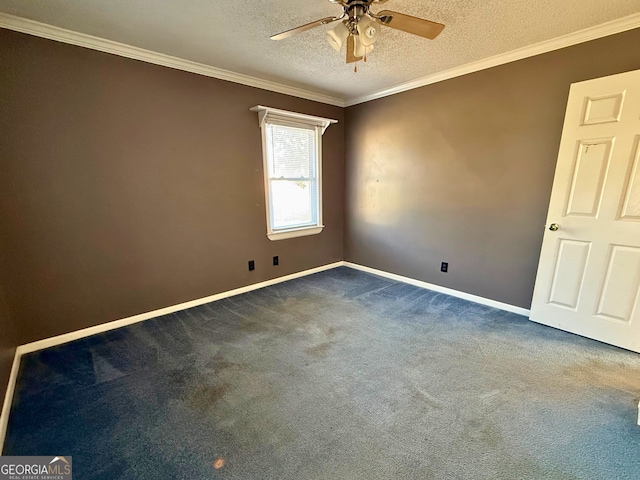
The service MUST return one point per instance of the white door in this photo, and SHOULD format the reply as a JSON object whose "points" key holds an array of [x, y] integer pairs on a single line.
{"points": [[588, 278]]}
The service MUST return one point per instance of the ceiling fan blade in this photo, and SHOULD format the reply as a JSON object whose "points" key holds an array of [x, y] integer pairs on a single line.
{"points": [[409, 24], [351, 46], [302, 28]]}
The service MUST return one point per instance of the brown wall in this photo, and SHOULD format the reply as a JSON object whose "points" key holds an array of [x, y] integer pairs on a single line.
{"points": [[461, 171], [127, 187], [8, 343]]}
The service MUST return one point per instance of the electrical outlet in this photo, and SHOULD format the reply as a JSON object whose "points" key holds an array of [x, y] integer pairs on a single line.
{"points": [[252, 265], [276, 262], [444, 267]]}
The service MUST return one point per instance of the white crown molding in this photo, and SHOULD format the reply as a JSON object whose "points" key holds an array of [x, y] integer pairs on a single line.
{"points": [[23, 25], [592, 33], [18, 24]]}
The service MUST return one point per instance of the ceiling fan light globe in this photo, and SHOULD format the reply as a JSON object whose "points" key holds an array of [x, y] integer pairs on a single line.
{"points": [[368, 31], [337, 36], [359, 48]]}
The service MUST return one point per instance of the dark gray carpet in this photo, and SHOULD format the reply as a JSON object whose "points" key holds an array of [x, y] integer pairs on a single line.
{"points": [[339, 375]]}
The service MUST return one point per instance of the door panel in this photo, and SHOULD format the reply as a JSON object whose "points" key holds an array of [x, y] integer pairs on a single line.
{"points": [[591, 166], [621, 285], [631, 206], [603, 109], [569, 273], [588, 278]]}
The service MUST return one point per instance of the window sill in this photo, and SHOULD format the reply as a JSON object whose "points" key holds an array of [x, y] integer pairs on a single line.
{"points": [[298, 232]]}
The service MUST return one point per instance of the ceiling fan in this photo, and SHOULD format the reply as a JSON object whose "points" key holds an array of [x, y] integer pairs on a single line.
{"points": [[358, 27]]}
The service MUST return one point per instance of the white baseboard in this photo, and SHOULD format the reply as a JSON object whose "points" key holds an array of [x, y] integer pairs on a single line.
{"points": [[437, 288], [104, 327], [8, 397]]}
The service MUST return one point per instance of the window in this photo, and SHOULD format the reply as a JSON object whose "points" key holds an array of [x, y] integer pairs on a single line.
{"points": [[292, 155]]}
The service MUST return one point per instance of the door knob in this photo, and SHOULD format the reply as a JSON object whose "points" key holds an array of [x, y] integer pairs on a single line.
{"points": [[553, 227]]}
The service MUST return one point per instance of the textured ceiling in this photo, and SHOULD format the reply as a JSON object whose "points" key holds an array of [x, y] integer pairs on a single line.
{"points": [[234, 34]]}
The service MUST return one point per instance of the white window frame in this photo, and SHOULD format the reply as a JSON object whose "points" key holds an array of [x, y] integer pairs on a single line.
{"points": [[274, 116]]}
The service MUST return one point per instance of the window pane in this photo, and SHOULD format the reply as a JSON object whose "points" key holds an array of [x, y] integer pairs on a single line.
{"points": [[293, 203], [292, 152]]}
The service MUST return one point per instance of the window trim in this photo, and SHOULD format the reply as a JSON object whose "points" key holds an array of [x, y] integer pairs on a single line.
{"points": [[276, 116]]}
